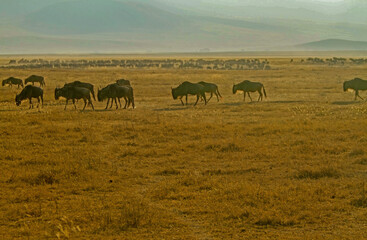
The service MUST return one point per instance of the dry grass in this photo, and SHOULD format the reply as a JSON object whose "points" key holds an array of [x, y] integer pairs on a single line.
{"points": [[291, 167]]}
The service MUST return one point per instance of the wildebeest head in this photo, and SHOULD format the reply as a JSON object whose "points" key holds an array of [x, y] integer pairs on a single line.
{"points": [[101, 95], [17, 100], [174, 93], [345, 86], [234, 89], [4, 82], [57, 93]]}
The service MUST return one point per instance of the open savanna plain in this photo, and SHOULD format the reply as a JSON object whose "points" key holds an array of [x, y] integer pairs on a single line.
{"points": [[291, 167]]}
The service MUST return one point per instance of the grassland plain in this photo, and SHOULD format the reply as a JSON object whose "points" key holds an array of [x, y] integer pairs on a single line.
{"points": [[291, 167]]}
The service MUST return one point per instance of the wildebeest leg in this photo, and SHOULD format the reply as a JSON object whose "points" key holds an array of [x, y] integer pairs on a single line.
{"points": [[211, 95], [126, 103], [205, 98], [182, 101], [244, 96], [74, 103], [197, 99], [67, 100], [186, 99], [85, 103], [38, 105], [90, 102], [357, 95], [248, 93], [30, 103], [260, 96], [112, 102], [120, 102], [216, 94], [108, 101], [116, 103]]}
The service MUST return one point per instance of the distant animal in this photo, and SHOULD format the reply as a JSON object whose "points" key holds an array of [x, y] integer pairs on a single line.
{"points": [[123, 82], [71, 92], [13, 81], [30, 92], [114, 91], [34, 78], [82, 84], [357, 85], [187, 88], [211, 88], [247, 87]]}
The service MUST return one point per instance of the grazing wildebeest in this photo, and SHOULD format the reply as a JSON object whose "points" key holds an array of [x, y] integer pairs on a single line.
{"points": [[83, 85], [187, 88], [34, 78], [211, 88], [247, 87], [123, 82], [30, 92], [70, 92], [12, 80], [114, 91], [356, 84]]}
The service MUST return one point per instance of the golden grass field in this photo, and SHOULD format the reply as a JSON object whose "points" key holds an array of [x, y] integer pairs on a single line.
{"points": [[291, 167]]}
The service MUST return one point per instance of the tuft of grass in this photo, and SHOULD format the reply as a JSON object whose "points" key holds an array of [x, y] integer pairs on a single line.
{"points": [[42, 178], [231, 147], [328, 172]]}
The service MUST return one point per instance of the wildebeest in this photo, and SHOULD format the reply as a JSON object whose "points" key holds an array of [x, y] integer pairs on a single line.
{"points": [[211, 88], [83, 85], [356, 84], [34, 78], [13, 81], [114, 91], [30, 92], [123, 82], [187, 88], [247, 87], [70, 92]]}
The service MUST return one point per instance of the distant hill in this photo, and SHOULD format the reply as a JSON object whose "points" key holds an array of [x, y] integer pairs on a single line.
{"points": [[58, 26], [333, 45]]}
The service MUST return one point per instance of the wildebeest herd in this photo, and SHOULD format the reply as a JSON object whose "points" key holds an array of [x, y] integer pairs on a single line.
{"points": [[122, 89]]}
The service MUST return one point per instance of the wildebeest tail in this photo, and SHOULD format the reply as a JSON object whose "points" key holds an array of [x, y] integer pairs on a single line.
{"points": [[219, 93], [264, 91]]}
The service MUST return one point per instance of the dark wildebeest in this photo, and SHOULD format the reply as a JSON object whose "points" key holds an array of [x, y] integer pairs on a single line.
{"points": [[73, 93], [211, 88], [123, 82], [34, 78], [30, 92], [247, 87], [356, 84], [83, 85], [187, 88], [13, 81], [114, 91]]}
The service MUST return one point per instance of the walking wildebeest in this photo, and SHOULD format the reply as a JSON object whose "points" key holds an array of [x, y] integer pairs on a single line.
{"points": [[13, 81], [83, 85], [30, 92], [34, 78], [187, 88], [123, 82], [211, 88], [114, 91], [247, 87], [70, 92], [356, 84]]}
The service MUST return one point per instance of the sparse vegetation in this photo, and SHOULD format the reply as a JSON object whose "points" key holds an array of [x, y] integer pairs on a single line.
{"points": [[289, 167]]}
